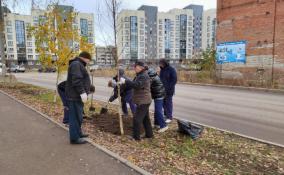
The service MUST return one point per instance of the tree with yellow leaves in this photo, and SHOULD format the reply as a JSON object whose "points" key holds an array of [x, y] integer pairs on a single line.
{"points": [[57, 40]]}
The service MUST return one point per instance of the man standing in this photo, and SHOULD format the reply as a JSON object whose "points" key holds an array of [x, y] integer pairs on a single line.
{"points": [[142, 99], [77, 90], [168, 76]]}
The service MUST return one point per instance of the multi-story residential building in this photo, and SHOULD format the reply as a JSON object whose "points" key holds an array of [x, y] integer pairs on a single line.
{"points": [[104, 55], [197, 25], [171, 38], [151, 13], [175, 34], [131, 35], [21, 49], [209, 26]]}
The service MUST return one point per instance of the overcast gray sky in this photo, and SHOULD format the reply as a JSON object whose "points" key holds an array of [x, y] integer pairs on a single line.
{"points": [[91, 6]]}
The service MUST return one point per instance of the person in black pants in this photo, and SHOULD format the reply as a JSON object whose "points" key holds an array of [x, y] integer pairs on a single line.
{"points": [[61, 92], [77, 90], [142, 99], [168, 76]]}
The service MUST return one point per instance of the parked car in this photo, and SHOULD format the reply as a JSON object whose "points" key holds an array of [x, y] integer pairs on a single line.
{"points": [[47, 69], [21, 68], [17, 68], [94, 67], [12, 68], [0, 68]]}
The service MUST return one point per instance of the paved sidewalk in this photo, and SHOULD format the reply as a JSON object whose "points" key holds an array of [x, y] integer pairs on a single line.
{"points": [[32, 145]]}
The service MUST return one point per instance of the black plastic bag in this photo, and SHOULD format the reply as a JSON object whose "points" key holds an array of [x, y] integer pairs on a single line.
{"points": [[188, 128]]}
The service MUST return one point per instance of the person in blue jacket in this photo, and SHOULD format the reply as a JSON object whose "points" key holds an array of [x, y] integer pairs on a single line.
{"points": [[168, 77]]}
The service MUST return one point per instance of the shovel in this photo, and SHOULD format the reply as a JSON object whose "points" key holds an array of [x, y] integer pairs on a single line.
{"points": [[104, 110], [92, 108]]}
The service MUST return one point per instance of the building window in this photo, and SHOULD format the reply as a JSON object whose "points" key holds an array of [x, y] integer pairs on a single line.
{"points": [[167, 38], [20, 34], [11, 50], [29, 50], [9, 23], [126, 19], [30, 57], [91, 40], [127, 25], [9, 30], [10, 43], [35, 19], [84, 27], [133, 37], [29, 44], [10, 37], [183, 35], [11, 57]]}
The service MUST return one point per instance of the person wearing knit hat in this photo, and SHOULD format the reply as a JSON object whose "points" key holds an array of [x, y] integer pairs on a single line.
{"points": [[77, 89]]}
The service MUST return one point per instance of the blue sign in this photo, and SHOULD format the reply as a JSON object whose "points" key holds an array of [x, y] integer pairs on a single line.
{"points": [[231, 52]]}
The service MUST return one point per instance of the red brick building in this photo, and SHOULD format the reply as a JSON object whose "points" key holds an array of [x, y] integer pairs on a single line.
{"points": [[256, 22]]}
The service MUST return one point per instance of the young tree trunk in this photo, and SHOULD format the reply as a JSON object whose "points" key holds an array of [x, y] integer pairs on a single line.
{"points": [[55, 92], [114, 14], [2, 37]]}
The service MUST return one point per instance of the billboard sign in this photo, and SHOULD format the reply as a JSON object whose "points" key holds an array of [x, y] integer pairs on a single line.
{"points": [[231, 52]]}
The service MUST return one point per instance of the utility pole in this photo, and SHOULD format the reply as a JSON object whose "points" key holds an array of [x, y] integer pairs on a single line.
{"points": [[2, 37], [274, 40]]}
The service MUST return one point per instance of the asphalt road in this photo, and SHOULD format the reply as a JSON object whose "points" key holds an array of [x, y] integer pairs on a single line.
{"points": [[258, 115]]}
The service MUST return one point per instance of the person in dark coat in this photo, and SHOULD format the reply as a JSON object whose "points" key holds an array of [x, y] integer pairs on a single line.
{"points": [[125, 93], [168, 76], [158, 94], [142, 99], [61, 91], [77, 90]]}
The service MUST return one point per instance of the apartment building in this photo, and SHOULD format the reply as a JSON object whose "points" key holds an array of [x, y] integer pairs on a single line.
{"points": [[209, 27], [131, 35], [170, 36], [175, 34], [21, 49], [197, 25]]}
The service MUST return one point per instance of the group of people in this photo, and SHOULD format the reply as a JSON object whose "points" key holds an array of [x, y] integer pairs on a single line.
{"points": [[148, 85], [138, 93]]}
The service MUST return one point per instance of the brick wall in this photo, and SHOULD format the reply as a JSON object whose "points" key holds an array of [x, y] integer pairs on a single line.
{"points": [[253, 21]]}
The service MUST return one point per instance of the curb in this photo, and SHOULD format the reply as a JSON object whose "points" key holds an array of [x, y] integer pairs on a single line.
{"points": [[279, 91], [101, 148]]}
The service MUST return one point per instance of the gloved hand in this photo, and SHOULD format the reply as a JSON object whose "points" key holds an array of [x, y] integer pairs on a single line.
{"points": [[112, 83], [92, 89], [122, 80], [84, 97]]}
